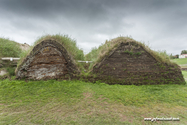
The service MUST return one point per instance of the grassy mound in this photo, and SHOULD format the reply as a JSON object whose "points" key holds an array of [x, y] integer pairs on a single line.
{"points": [[99, 53], [66, 41], [9, 48]]}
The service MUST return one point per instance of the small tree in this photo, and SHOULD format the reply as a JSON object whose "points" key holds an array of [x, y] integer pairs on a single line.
{"points": [[177, 56], [173, 56], [183, 52]]}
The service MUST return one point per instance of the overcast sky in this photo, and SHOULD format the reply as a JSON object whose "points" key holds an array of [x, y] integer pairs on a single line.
{"points": [[162, 24]]}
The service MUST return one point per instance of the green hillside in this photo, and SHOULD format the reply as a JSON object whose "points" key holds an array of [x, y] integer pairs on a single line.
{"points": [[9, 48]]}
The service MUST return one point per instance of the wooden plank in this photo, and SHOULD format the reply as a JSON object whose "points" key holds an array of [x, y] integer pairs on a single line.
{"points": [[9, 58], [85, 61]]}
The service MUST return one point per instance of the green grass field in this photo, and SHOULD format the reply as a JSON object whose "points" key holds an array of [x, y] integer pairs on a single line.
{"points": [[84, 103], [181, 62]]}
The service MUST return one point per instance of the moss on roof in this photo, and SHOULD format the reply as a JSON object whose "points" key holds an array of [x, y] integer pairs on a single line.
{"points": [[97, 54]]}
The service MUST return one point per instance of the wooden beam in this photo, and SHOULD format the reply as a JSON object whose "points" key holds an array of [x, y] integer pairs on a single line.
{"points": [[85, 61], [9, 58]]}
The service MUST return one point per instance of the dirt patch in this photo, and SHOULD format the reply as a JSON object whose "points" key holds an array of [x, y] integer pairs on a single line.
{"points": [[87, 95]]}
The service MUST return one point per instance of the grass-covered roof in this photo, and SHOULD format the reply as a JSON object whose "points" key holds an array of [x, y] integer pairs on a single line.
{"points": [[68, 43], [97, 54]]}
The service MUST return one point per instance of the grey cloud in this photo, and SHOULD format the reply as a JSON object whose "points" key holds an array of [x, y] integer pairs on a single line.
{"points": [[90, 21]]}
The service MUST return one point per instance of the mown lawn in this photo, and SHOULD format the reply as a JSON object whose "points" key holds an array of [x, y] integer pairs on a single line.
{"points": [[84, 103], [180, 61]]}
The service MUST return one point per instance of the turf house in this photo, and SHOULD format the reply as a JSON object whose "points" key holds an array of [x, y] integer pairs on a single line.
{"points": [[50, 58], [125, 61]]}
